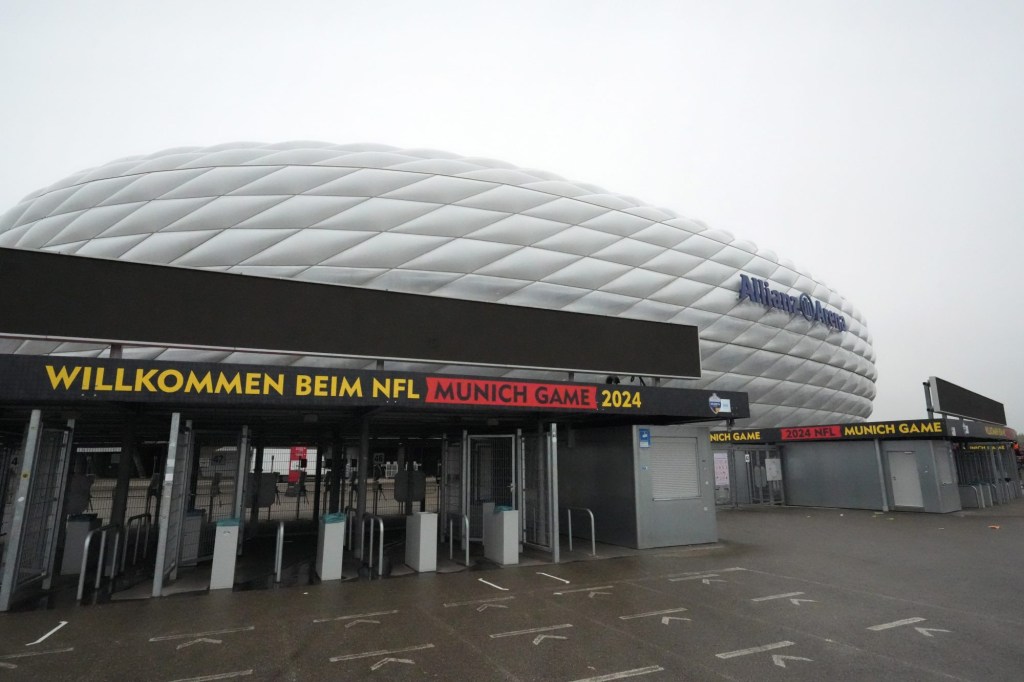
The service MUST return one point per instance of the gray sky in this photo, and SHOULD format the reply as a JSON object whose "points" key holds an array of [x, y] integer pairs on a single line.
{"points": [[879, 144]]}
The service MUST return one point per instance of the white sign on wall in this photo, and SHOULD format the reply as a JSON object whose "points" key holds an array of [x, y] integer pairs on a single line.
{"points": [[721, 468], [773, 469]]}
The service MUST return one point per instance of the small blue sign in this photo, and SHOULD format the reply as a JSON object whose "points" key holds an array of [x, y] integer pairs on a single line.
{"points": [[645, 438]]}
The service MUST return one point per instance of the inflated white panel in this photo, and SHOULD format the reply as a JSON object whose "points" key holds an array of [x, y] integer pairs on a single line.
{"points": [[441, 224]]}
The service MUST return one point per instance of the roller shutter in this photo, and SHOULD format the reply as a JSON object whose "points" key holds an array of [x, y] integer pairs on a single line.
{"points": [[674, 472]]}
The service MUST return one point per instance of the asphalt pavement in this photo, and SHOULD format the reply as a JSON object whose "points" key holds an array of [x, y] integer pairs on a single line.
{"points": [[787, 594]]}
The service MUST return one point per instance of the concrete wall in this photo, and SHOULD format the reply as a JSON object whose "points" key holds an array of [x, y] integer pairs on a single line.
{"points": [[595, 470], [665, 523]]}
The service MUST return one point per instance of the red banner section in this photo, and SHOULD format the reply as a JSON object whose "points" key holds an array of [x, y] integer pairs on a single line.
{"points": [[811, 432], [296, 463], [451, 391]]}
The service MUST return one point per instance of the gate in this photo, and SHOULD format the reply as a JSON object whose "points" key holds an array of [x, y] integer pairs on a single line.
{"points": [[491, 480], [764, 476], [536, 513], [36, 511], [173, 503]]}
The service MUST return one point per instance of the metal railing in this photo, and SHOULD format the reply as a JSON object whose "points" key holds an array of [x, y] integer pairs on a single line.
{"points": [[451, 534], [101, 564], [279, 552], [593, 535], [143, 521], [368, 517]]}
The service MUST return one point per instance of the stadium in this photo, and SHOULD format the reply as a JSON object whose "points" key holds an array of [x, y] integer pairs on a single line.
{"points": [[432, 223]]}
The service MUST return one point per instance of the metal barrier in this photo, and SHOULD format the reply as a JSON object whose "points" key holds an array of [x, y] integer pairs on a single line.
{"points": [[593, 535], [451, 534], [144, 521], [350, 513], [279, 552], [100, 568], [367, 517]]}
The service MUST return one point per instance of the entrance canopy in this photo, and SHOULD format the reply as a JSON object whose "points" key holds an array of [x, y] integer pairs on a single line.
{"points": [[912, 429], [295, 399]]}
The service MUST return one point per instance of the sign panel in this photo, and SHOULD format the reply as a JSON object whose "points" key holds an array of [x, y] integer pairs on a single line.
{"points": [[773, 469], [296, 463], [721, 468], [206, 307], [645, 438], [40, 379], [948, 398], [759, 291], [916, 428]]}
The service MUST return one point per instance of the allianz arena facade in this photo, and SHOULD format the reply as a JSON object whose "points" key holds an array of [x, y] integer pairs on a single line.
{"points": [[427, 222]]}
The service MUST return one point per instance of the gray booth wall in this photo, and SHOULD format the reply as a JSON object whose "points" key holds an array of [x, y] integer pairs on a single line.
{"points": [[684, 520], [825, 474], [847, 475], [606, 471], [939, 492]]}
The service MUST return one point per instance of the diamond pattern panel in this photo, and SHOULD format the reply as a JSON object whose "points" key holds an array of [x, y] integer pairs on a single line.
{"points": [[437, 223]]}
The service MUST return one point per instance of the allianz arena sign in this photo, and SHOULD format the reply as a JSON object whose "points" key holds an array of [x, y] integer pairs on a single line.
{"points": [[759, 291]]}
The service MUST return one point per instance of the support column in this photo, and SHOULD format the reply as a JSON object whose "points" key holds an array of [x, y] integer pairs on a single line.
{"points": [[556, 539], [119, 505], [881, 475], [338, 461], [254, 511], [318, 477], [363, 478]]}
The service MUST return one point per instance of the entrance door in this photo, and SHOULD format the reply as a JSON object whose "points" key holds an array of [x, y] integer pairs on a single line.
{"points": [[906, 484], [764, 476], [491, 478]]}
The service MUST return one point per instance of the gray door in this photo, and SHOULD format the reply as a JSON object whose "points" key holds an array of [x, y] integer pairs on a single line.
{"points": [[906, 484]]}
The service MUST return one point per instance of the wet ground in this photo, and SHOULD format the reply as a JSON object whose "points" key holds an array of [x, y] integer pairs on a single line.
{"points": [[788, 594]]}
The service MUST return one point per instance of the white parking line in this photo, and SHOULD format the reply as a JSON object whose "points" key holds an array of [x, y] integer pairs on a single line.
{"points": [[368, 654], [476, 601], [62, 624], [895, 624], [497, 587], [754, 650], [635, 672], [554, 577], [778, 596], [221, 676], [37, 653], [358, 615], [652, 613], [585, 589], [194, 635], [531, 631]]}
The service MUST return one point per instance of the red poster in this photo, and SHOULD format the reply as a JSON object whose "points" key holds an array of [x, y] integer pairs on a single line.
{"points": [[296, 464]]}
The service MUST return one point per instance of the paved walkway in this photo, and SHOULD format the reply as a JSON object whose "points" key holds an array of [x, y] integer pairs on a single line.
{"points": [[789, 594]]}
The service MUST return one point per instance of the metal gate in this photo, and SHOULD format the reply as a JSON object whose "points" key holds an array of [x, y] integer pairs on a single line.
{"points": [[173, 503], [764, 476], [536, 513], [491, 479], [36, 513]]}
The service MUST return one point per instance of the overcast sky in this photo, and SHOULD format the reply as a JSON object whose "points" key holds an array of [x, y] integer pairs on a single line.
{"points": [[879, 144]]}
